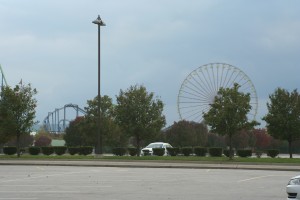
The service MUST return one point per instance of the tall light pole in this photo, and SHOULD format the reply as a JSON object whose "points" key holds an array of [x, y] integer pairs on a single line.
{"points": [[99, 144]]}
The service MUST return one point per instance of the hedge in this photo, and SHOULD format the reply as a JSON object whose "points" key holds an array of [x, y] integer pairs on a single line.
{"points": [[86, 150], [47, 150], [119, 151], [73, 150], [226, 152], [200, 151], [173, 151], [244, 153], [215, 151], [9, 150], [272, 152], [132, 151], [34, 150], [186, 151], [60, 150], [158, 151]]}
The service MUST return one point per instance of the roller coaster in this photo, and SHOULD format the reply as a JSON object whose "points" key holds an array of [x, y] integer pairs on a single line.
{"points": [[58, 120], [3, 80]]}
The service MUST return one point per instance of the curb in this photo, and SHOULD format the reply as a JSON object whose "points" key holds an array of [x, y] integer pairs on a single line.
{"points": [[149, 164]]}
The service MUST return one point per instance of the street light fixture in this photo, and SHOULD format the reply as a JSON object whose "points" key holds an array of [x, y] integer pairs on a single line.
{"points": [[99, 144]]}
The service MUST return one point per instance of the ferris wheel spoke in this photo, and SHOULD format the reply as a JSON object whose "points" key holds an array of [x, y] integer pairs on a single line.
{"points": [[226, 75], [203, 99], [200, 92], [229, 80], [197, 88], [201, 84], [214, 78], [190, 93], [207, 83], [210, 81]]}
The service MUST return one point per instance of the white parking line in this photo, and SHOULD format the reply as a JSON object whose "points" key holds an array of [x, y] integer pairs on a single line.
{"points": [[258, 177]]}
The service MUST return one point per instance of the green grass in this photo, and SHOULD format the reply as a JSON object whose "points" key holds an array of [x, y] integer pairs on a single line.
{"points": [[294, 161]]}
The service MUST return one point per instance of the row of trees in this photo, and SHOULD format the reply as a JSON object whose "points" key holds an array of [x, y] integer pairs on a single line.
{"points": [[137, 117], [228, 114]]}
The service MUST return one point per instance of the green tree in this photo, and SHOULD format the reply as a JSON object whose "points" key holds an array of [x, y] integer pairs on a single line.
{"points": [[111, 133], [139, 114], [17, 111], [83, 130], [228, 113], [75, 134], [187, 133], [283, 118]]}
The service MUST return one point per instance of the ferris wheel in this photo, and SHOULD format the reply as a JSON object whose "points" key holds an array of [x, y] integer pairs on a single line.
{"points": [[199, 88]]}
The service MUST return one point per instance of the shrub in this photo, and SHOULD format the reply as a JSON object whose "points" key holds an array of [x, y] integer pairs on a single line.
{"points": [[158, 151], [244, 153], [60, 150], [272, 152], [226, 152], [34, 150], [215, 151], [86, 150], [9, 150], [200, 151], [173, 151], [132, 151], [73, 150], [119, 151], [42, 140], [186, 151], [47, 150]]}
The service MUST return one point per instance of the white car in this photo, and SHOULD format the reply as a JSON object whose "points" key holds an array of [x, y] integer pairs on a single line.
{"points": [[148, 149], [293, 188]]}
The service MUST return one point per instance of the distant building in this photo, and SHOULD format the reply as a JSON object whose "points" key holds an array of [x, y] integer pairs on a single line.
{"points": [[56, 143]]}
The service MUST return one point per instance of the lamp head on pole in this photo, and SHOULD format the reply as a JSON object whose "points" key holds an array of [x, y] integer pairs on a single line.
{"points": [[99, 21]]}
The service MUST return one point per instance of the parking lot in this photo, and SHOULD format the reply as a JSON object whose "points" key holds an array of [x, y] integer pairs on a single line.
{"points": [[113, 183]]}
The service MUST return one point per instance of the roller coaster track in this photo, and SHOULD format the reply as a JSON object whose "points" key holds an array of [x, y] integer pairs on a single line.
{"points": [[3, 80], [54, 123]]}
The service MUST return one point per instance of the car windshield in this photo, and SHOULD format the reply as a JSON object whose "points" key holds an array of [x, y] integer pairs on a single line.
{"points": [[154, 146]]}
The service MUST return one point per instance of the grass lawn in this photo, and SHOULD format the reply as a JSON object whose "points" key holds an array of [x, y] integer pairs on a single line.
{"points": [[252, 160]]}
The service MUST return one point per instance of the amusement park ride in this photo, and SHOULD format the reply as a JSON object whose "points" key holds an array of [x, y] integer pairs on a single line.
{"points": [[3, 80]]}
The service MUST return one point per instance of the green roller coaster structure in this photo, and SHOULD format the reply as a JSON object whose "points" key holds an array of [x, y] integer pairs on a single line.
{"points": [[3, 80]]}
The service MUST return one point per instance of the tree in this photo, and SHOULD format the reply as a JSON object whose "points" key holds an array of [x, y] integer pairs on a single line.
{"points": [[25, 141], [139, 114], [75, 134], [228, 113], [263, 139], [187, 133], [82, 131], [17, 111], [111, 133], [283, 118], [42, 139]]}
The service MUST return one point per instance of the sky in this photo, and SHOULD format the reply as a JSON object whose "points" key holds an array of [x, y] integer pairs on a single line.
{"points": [[53, 46]]}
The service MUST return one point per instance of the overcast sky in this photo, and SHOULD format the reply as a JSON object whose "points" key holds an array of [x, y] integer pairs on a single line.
{"points": [[53, 46]]}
